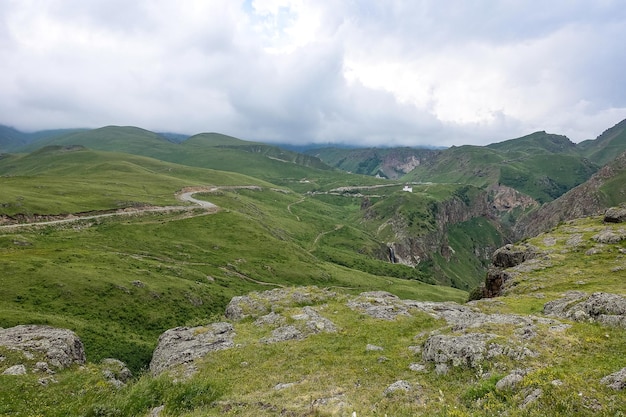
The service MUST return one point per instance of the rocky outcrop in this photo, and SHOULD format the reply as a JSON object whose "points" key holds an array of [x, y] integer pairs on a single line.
{"points": [[469, 349], [616, 380], [280, 314], [116, 372], [386, 306], [604, 308], [508, 256], [61, 347], [257, 304], [411, 249], [609, 236], [512, 255], [308, 322], [185, 344], [15, 370], [615, 215], [505, 199]]}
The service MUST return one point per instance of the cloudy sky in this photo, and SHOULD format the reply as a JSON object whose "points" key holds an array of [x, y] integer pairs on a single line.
{"points": [[366, 72]]}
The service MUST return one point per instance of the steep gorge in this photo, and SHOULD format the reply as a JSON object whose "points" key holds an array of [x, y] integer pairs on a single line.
{"points": [[455, 236]]}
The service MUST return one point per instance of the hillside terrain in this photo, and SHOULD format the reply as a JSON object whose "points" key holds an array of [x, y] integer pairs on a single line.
{"points": [[301, 289], [390, 163], [311, 351], [605, 188], [164, 268], [541, 165]]}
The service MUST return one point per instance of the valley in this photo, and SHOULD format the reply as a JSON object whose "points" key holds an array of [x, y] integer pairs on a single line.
{"points": [[119, 234]]}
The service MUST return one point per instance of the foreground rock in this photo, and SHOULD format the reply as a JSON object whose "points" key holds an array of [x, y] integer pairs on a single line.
{"points": [[615, 215], [15, 370], [257, 304], [616, 380], [604, 308], [386, 306], [469, 349], [512, 255], [116, 372], [61, 347], [498, 278], [280, 314], [185, 344]]}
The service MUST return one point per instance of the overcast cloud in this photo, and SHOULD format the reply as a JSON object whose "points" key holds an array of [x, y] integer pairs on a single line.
{"points": [[366, 72]]}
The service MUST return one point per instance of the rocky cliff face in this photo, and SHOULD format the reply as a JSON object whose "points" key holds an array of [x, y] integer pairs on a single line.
{"points": [[492, 204]]}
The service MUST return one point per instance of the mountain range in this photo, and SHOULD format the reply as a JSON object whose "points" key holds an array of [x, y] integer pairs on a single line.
{"points": [[94, 237]]}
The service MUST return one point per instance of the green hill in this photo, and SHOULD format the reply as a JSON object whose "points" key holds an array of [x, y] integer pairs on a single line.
{"points": [[606, 188], [474, 165], [607, 146], [71, 179], [536, 143], [385, 162], [125, 139], [120, 281], [288, 222], [209, 150], [541, 165]]}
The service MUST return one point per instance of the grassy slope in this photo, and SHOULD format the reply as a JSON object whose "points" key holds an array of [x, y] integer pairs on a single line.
{"points": [[337, 367], [467, 164], [541, 165], [120, 282], [607, 146], [208, 150], [56, 180]]}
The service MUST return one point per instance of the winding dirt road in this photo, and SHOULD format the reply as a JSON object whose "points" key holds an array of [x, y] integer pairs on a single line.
{"points": [[185, 195]]}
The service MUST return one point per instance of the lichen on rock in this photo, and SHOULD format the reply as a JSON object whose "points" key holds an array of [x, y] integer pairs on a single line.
{"points": [[61, 347], [184, 344]]}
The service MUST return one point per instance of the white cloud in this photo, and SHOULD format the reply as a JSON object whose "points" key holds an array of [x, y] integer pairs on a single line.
{"points": [[371, 72]]}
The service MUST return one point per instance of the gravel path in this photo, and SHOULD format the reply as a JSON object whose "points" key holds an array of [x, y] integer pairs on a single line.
{"points": [[186, 196]]}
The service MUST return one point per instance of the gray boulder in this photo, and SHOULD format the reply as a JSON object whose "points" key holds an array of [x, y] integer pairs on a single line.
{"points": [[15, 370], [244, 306], [398, 386], [509, 382], [183, 345], [116, 372], [272, 319], [61, 347], [604, 308], [615, 215], [469, 349], [379, 305], [532, 397], [616, 380], [512, 255], [257, 304], [609, 236], [284, 333], [315, 322]]}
